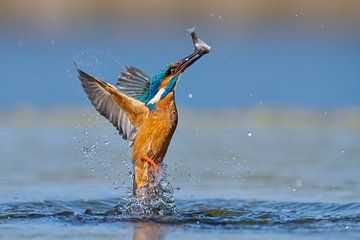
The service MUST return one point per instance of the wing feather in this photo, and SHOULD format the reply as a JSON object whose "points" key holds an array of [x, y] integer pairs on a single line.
{"points": [[133, 82], [125, 113]]}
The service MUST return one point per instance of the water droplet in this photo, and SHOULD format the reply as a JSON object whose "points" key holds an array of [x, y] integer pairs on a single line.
{"points": [[346, 227], [294, 189], [92, 169], [106, 142], [190, 95], [249, 134], [342, 151]]}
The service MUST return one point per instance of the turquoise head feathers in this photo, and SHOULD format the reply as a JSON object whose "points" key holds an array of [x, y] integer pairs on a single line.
{"points": [[160, 86]]}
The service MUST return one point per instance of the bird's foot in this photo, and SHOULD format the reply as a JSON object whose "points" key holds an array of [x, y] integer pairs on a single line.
{"points": [[152, 163]]}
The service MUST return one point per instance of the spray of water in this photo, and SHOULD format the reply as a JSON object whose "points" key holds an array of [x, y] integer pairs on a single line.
{"points": [[156, 199]]}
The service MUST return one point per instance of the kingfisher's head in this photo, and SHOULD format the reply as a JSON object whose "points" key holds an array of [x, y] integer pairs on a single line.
{"points": [[166, 79]]}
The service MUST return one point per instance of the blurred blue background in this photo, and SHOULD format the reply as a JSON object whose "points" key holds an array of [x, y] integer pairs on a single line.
{"points": [[264, 52]]}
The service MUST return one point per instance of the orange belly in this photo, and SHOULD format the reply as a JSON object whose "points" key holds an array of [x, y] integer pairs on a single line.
{"points": [[153, 138]]}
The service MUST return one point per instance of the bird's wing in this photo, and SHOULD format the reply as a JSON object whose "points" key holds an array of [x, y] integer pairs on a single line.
{"points": [[124, 112], [134, 83]]}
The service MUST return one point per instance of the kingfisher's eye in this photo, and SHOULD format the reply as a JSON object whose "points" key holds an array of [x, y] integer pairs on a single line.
{"points": [[170, 71]]}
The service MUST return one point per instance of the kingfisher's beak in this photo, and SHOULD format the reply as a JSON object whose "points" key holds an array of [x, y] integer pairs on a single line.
{"points": [[200, 49]]}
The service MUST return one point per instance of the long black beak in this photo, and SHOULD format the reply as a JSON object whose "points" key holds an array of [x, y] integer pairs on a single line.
{"points": [[200, 49]]}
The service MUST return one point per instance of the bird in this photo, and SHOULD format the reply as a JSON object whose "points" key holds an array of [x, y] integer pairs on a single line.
{"points": [[143, 110]]}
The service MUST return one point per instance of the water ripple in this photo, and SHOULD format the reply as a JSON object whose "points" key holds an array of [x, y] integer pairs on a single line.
{"points": [[207, 213]]}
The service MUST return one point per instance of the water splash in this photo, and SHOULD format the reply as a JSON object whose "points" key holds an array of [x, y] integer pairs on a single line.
{"points": [[156, 199], [102, 154]]}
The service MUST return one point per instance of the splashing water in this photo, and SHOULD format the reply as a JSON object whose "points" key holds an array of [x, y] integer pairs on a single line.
{"points": [[156, 199]]}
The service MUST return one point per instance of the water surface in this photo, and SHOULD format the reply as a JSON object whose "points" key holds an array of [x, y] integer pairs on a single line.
{"points": [[237, 174]]}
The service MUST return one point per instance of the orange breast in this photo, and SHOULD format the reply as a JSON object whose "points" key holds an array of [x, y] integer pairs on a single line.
{"points": [[155, 133]]}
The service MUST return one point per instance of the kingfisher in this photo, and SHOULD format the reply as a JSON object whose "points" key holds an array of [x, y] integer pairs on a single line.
{"points": [[143, 110]]}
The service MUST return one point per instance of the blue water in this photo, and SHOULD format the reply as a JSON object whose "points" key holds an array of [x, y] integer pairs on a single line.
{"points": [[65, 173], [236, 218]]}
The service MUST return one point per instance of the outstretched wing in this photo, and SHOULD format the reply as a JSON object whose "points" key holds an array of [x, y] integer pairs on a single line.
{"points": [[134, 83], [125, 113]]}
